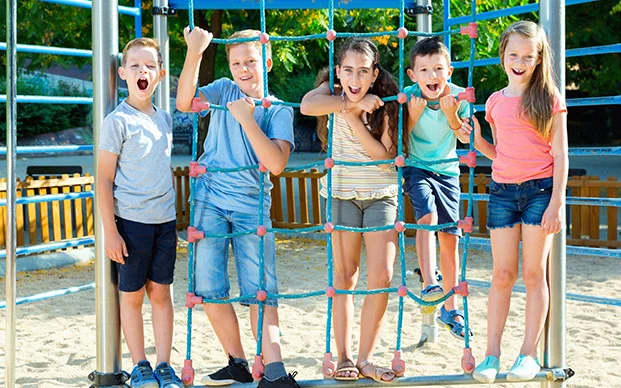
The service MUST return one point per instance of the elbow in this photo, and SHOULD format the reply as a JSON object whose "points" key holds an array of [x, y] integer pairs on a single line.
{"points": [[305, 109], [182, 106], [277, 169]]}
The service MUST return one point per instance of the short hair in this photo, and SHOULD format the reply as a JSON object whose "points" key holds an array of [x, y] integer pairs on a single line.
{"points": [[142, 42], [429, 46], [245, 34]]}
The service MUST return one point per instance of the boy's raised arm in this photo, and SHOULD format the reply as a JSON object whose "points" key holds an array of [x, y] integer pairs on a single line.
{"points": [[197, 41]]}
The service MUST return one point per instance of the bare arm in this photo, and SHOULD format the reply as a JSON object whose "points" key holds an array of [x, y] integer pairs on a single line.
{"points": [[106, 169], [319, 102], [416, 107], [483, 145], [197, 41], [272, 153], [553, 216]]}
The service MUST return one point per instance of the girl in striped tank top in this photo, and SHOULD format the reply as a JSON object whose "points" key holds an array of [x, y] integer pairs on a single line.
{"points": [[365, 129]]}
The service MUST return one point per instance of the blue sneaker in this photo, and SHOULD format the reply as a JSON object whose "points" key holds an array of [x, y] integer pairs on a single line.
{"points": [[486, 371], [525, 368], [166, 376], [142, 376]]}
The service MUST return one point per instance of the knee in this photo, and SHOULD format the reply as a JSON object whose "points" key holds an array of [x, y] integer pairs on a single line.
{"points": [[380, 279], [159, 295], [533, 277], [504, 278], [133, 299], [346, 277], [428, 219]]}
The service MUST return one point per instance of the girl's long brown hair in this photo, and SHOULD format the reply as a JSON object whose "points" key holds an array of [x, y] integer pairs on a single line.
{"points": [[384, 86], [538, 97]]}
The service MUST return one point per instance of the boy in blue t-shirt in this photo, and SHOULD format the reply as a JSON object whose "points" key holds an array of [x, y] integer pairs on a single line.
{"points": [[136, 201], [228, 202], [436, 121]]}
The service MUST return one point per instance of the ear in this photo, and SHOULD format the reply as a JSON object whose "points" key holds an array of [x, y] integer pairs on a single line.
{"points": [[337, 69], [450, 70], [268, 64], [375, 74], [121, 72], [411, 75], [162, 74]]}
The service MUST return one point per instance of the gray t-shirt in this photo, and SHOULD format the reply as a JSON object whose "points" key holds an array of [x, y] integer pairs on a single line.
{"points": [[227, 146], [143, 190]]}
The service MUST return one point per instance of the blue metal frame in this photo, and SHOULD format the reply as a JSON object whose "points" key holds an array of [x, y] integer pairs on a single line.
{"points": [[289, 4]]}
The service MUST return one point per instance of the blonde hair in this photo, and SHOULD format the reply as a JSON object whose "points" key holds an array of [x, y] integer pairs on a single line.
{"points": [[538, 97], [142, 42], [244, 34]]}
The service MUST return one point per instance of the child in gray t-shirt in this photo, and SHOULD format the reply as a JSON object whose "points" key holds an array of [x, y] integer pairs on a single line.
{"points": [[137, 204]]}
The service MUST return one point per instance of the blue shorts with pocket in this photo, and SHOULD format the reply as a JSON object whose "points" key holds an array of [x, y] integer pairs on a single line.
{"points": [[518, 203], [211, 268], [431, 192], [152, 250]]}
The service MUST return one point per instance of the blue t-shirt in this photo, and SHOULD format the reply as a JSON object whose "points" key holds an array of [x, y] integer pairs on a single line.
{"points": [[432, 138], [227, 146]]}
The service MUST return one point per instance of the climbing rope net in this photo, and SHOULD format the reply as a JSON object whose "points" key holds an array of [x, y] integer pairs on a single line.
{"points": [[398, 364]]}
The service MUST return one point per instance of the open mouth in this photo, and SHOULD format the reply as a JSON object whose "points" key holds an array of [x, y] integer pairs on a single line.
{"points": [[433, 87], [518, 72], [245, 78], [354, 90], [143, 84]]}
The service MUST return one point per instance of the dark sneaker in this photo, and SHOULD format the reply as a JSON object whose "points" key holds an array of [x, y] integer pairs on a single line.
{"points": [[166, 376], [235, 372], [283, 382], [142, 376]]}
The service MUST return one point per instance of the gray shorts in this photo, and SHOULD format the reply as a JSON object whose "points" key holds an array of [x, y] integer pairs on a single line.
{"points": [[364, 213]]}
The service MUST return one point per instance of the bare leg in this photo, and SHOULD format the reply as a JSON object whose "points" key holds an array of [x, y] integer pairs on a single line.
{"points": [[224, 322], [381, 250], [132, 324], [535, 249], [426, 249], [449, 266], [346, 249], [270, 346], [162, 317], [505, 243]]}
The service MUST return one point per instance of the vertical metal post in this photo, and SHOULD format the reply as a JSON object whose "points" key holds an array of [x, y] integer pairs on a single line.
{"points": [[552, 19], [105, 98], [138, 19], [160, 29], [11, 141], [423, 20]]}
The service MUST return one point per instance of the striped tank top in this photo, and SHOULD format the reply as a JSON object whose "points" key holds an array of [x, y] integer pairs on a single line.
{"points": [[356, 182]]}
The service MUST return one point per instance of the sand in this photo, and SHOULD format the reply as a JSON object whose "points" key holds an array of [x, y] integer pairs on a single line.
{"points": [[56, 337]]}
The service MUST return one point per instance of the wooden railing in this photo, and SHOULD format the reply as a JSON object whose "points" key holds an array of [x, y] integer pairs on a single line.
{"points": [[295, 203]]}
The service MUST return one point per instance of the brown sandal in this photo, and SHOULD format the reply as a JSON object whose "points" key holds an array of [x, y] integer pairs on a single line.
{"points": [[380, 374], [346, 369]]}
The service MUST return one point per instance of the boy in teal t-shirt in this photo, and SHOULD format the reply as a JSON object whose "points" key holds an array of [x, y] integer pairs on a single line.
{"points": [[435, 121]]}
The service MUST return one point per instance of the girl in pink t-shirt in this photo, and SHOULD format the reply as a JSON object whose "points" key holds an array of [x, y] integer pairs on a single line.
{"points": [[527, 191]]}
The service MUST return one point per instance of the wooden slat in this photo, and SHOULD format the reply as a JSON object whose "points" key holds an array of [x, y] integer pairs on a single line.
{"points": [[576, 211], [593, 243], [44, 214], [51, 182], [31, 209], [19, 219], [584, 211], [67, 211], [56, 216], [276, 211], [90, 221], [315, 198], [594, 213], [613, 213], [78, 206], [303, 200], [290, 194]]}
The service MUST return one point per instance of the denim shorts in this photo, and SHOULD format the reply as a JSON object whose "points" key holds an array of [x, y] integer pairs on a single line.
{"points": [[364, 213], [518, 203], [431, 192], [211, 268], [152, 250]]}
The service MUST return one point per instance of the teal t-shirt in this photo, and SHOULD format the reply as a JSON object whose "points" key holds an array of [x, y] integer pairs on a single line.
{"points": [[432, 138]]}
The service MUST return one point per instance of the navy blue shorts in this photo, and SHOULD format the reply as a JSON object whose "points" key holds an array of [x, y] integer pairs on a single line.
{"points": [[430, 192], [152, 250], [512, 203]]}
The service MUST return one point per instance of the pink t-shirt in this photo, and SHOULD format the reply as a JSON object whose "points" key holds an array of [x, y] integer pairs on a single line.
{"points": [[522, 154]]}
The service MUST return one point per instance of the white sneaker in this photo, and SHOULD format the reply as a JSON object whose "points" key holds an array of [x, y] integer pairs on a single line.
{"points": [[524, 368], [486, 371]]}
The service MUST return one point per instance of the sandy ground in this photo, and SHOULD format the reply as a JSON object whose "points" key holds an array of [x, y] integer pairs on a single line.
{"points": [[56, 338]]}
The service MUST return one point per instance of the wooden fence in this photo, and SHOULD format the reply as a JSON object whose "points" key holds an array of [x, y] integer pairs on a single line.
{"points": [[295, 203]]}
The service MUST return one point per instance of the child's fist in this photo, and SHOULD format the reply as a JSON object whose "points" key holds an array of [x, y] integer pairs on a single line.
{"points": [[242, 109], [416, 106], [449, 104], [197, 40]]}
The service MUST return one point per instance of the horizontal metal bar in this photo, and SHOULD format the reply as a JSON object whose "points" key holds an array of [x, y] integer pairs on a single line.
{"points": [[51, 246], [588, 101], [289, 4], [507, 12], [50, 99], [577, 52], [29, 48], [132, 11], [569, 295], [589, 201], [49, 149], [573, 151], [50, 294], [50, 198]]}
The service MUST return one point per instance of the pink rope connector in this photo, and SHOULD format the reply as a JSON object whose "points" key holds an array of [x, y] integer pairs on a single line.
{"points": [[199, 105], [472, 30], [197, 169], [470, 159], [194, 234]]}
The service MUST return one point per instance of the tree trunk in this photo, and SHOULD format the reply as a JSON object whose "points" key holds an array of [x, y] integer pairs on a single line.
{"points": [[207, 71]]}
